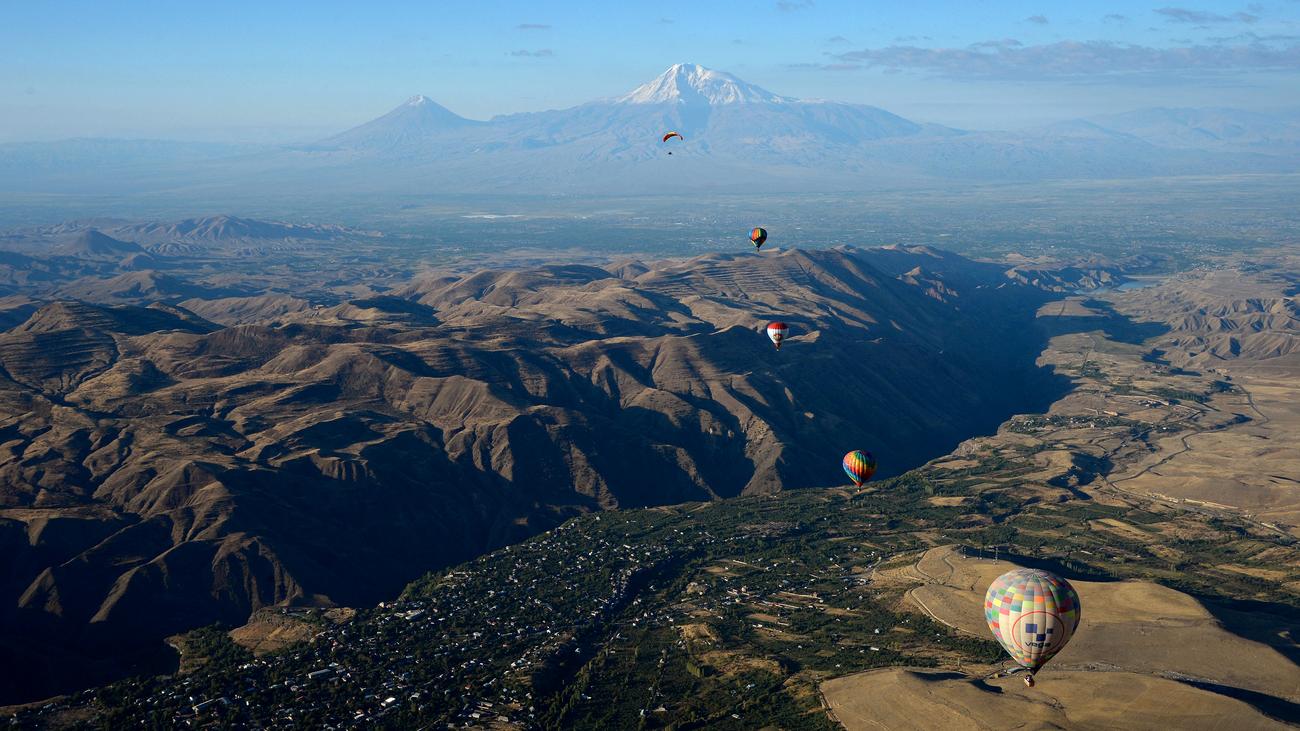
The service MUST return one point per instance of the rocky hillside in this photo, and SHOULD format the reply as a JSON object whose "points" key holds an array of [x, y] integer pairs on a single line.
{"points": [[1225, 315], [159, 471]]}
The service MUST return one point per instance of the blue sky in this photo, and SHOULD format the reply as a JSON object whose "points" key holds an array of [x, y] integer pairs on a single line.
{"points": [[258, 71]]}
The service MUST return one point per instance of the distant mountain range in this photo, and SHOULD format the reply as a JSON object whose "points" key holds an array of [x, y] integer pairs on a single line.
{"points": [[738, 137], [1211, 129], [118, 237]]}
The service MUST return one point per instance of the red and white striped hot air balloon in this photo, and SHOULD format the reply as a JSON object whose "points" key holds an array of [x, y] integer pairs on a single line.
{"points": [[776, 331]]}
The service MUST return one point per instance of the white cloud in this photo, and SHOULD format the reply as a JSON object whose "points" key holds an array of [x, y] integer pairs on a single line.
{"points": [[1009, 58]]}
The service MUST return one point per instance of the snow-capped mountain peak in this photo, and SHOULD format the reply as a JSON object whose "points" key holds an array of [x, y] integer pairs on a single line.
{"points": [[687, 83], [418, 100]]}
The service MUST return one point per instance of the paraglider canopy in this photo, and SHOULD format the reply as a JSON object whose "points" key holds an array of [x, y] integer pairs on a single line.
{"points": [[758, 236], [776, 331], [1032, 614], [859, 466], [671, 135]]}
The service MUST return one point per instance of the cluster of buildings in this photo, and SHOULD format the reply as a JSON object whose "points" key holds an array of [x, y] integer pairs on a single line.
{"points": [[482, 644], [463, 648]]}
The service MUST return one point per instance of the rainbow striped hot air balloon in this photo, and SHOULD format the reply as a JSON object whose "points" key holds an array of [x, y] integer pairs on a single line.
{"points": [[758, 236], [1032, 615], [859, 466]]}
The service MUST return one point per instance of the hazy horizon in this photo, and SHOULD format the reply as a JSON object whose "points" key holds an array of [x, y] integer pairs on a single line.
{"points": [[80, 70]]}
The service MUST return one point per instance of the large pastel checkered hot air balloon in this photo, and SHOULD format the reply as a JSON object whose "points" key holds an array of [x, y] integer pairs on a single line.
{"points": [[859, 466], [1032, 614]]}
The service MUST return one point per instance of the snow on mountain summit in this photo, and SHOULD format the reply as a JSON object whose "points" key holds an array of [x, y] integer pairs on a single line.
{"points": [[687, 83]]}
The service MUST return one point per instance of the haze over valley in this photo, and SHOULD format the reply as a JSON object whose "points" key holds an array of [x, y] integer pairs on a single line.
{"points": [[743, 140]]}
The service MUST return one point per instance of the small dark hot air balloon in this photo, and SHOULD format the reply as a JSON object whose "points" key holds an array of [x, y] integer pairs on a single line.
{"points": [[859, 466], [776, 331], [758, 236]]}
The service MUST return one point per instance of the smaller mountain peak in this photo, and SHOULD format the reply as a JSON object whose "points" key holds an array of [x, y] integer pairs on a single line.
{"points": [[94, 241], [413, 122]]}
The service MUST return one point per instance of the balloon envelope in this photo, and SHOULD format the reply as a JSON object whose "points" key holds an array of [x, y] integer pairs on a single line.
{"points": [[758, 236], [1032, 614], [859, 466], [776, 331]]}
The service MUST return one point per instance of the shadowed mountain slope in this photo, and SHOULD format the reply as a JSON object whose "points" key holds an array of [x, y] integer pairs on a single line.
{"points": [[202, 472]]}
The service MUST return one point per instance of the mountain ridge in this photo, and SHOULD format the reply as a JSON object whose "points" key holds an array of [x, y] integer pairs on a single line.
{"points": [[215, 470], [738, 137]]}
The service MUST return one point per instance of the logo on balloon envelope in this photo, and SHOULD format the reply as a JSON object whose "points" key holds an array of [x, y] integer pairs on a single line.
{"points": [[1036, 631]]}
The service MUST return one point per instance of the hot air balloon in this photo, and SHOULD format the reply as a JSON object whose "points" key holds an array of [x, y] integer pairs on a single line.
{"points": [[859, 466], [671, 135], [1032, 614], [758, 236], [776, 331]]}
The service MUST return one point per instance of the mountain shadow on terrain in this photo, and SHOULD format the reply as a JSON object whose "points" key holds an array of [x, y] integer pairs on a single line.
{"points": [[1273, 623], [1269, 705], [1114, 325]]}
